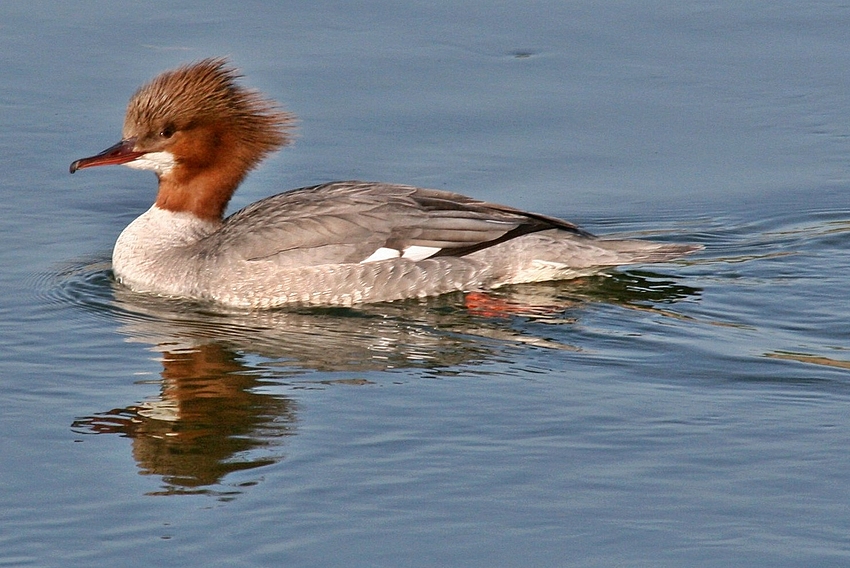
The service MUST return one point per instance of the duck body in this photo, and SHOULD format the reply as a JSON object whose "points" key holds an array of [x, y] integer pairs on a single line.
{"points": [[340, 243]]}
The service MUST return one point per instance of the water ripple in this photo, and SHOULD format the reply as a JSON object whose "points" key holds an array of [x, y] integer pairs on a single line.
{"points": [[445, 331]]}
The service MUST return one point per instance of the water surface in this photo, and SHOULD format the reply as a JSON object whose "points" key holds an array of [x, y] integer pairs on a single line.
{"points": [[686, 414]]}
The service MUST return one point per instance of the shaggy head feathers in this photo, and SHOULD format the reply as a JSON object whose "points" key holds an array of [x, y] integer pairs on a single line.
{"points": [[206, 93]]}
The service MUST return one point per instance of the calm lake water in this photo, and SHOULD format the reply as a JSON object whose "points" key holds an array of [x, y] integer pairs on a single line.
{"points": [[694, 413]]}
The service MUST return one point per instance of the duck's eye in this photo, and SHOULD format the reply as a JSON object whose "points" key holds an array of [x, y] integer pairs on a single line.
{"points": [[168, 131]]}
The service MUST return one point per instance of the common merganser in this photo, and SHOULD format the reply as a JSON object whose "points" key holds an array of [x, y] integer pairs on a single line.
{"points": [[339, 243]]}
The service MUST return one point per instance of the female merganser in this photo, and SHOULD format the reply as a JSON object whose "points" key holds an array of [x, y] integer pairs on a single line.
{"points": [[338, 243]]}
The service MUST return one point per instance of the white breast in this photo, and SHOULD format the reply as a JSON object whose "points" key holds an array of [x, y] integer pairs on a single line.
{"points": [[155, 252]]}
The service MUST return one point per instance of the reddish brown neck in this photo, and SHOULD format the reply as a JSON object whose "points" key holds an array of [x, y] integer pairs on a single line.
{"points": [[210, 166], [205, 195]]}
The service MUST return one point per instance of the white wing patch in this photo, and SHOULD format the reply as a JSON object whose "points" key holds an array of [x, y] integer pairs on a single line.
{"points": [[382, 253], [420, 253], [413, 253]]}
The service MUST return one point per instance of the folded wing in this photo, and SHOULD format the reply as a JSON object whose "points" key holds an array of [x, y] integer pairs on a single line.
{"points": [[357, 222]]}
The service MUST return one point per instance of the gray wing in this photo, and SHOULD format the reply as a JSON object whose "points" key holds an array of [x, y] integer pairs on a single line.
{"points": [[353, 222]]}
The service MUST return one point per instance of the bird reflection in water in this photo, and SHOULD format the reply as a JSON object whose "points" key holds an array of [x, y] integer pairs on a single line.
{"points": [[212, 416], [207, 422]]}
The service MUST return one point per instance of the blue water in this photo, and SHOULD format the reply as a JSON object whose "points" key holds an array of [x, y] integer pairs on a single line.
{"points": [[687, 414]]}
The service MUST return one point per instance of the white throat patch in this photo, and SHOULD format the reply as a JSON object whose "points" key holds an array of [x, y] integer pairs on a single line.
{"points": [[160, 162]]}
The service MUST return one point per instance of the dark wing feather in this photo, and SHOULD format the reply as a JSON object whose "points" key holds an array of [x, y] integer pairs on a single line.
{"points": [[345, 222]]}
